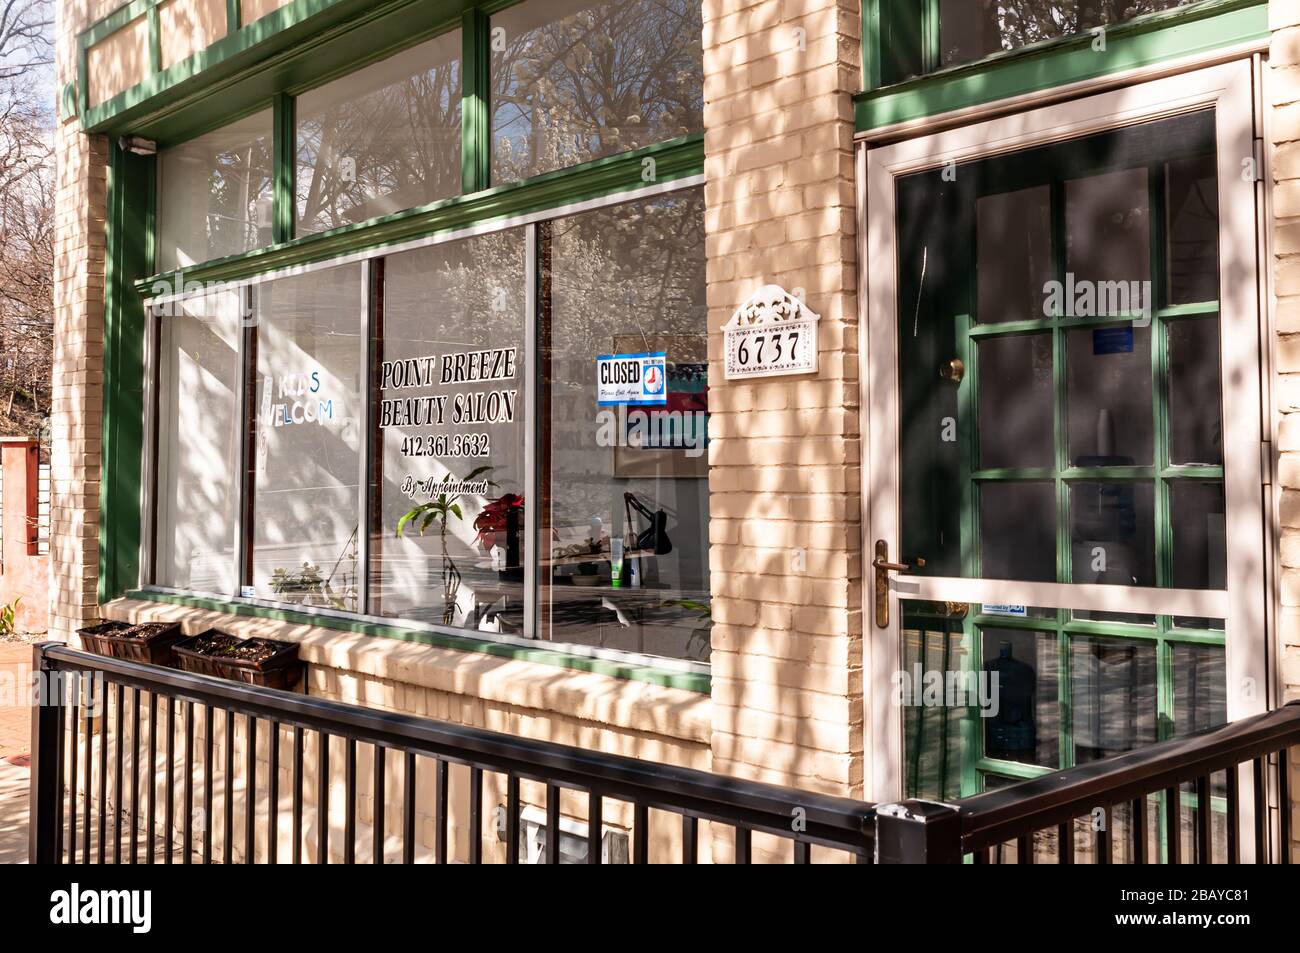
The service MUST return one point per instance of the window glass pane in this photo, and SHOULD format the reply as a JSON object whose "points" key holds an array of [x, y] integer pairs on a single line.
{"points": [[1108, 397], [579, 79], [382, 139], [1112, 533], [620, 477], [1018, 531], [1113, 685], [1196, 515], [214, 194], [306, 464], [1200, 687], [198, 443], [972, 29], [933, 646], [450, 411], [1026, 725], [1195, 392], [1016, 401], [1013, 235], [1108, 243], [1192, 197]]}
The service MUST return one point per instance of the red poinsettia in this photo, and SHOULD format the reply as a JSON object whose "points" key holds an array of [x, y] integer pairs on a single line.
{"points": [[494, 518]]}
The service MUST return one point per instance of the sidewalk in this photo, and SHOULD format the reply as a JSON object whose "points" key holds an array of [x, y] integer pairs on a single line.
{"points": [[15, 732]]}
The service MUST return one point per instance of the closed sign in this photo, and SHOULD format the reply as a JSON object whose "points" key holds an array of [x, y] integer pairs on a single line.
{"points": [[636, 379]]}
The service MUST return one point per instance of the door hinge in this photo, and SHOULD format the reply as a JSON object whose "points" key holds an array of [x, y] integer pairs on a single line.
{"points": [[1266, 462], [1258, 158]]}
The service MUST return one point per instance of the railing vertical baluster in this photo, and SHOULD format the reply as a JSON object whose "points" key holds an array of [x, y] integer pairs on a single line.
{"points": [[296, 857], [1024, 849], [93, 701], [151, 841], [1105, 839], [691, 840], [1284, 804], [323, 800], [1139, 816], [1261, 809], [1234, 816], [273, 798], [135, 776], [188, 839], [208, 723], [169, 809], [1204, 820], [441, 781], [45, 794], [802, 852], [74, 680], [744, 846], [103, 780], [512, 819], [980, 856], [408, 810], [1173, 825], [640, 834], [118, 748], [1065, 843], [595, 827], [228, 802], [350, 802], [250, 792], [378, 819], [552, 824], [475, 815]]}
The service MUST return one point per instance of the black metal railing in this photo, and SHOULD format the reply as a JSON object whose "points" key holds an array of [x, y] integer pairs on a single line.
{"points": [[1202, 799], [87, 730]]}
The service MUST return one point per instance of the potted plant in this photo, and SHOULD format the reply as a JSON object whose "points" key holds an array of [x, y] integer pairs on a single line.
{"points": [[266, 663], [95, 638]]}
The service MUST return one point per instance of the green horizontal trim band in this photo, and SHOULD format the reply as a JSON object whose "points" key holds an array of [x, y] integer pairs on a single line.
{"points": [[1169, 34], [688, 681], [677, 159]]}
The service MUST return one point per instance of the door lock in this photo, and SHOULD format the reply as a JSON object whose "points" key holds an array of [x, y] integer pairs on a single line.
{"points": [[953, 371], [883, 568]]}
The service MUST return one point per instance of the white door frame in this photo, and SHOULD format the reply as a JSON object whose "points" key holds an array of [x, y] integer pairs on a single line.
{"points": [[1226, 88]]}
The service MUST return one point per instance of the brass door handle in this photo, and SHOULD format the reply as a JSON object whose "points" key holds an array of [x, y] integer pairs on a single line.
{"points": [[883, 568]]}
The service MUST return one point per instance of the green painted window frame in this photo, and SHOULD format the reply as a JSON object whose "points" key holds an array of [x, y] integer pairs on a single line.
{"points": [[130, 277], [889, 99], [967, 631]]}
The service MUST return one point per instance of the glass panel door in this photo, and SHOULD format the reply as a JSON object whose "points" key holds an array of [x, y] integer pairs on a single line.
{"points": [[1059, 370]]}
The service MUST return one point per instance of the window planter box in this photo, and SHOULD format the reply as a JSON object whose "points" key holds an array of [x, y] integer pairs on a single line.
{"points": [[147, 642], [265, 663]]}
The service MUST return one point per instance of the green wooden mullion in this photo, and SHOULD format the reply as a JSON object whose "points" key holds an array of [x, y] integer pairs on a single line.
{"points": [[871, 41], [931, 48], [968, 440], [155, 41], [1060, 389], [1013, 770], [1195, 637], [475, 115], [234, 16], [1199, 309], [1197, 472], [284, 169]]}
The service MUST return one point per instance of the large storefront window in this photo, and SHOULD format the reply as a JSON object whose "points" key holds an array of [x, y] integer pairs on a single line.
{"points": [[625, 509], [382, 139], [448, 538], [305, 458], [574, 80], [198, 443], [214, 194], [503, 434]]}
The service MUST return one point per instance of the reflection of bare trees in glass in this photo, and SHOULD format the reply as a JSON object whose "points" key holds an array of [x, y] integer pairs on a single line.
{"points": [[1011, 24], [611, 77], [240, 177], [397, 147]]}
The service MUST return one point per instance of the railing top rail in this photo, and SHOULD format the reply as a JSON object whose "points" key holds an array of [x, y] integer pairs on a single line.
{"points": [[998, 816], [837, 822]]}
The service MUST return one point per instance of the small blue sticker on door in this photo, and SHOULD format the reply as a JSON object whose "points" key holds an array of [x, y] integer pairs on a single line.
{"points": [[1112, 341]]}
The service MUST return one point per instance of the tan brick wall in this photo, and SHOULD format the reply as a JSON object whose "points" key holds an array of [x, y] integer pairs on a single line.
{"points": [[187, 26], [785, 452], [118, 62], [76, 412], [1284, 85]]}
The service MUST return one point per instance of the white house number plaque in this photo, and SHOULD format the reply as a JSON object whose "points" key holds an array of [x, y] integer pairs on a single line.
{"points": [[771, 335]]}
